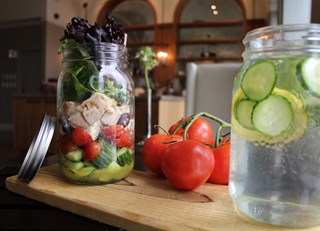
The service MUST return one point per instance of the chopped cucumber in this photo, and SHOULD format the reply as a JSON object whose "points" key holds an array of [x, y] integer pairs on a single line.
{"points": [[124, 156], [75, 155], [113, 172], [309, 71], [259, 80], [243, 112], [273, 116], [77, 174], [102, 161], [72, 165]]}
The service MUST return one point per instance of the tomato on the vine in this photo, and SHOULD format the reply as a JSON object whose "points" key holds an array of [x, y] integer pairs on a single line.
{"points": [[153, 150], [220, 173], [187, 164], [179, 130], [200, 130]]}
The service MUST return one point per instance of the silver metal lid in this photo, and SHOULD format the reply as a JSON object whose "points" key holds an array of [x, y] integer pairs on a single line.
{"points": [[37, 150]]}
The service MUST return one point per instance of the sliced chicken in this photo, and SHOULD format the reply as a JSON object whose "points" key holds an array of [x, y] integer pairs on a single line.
{"points": [[92, 115], [77, 120], [111, 116]]}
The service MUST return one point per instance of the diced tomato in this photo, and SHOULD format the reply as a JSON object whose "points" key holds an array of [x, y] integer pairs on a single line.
{"points": [[66, 144], [118, 135], [81, 137], [92, 150], [125, 140]]}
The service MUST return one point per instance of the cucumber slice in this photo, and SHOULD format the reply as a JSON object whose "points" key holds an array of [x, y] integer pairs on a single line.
{"points": [[72, 165], [124, 156], [107, 155], [102, 161], [75, 155], [310, 74], [113, 172], [273, 116], [259, 80], [243, 112], [297, 128], [77, 175]]}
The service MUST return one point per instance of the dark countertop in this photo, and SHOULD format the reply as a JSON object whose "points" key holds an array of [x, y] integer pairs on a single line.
{"points": [[21, 213]]}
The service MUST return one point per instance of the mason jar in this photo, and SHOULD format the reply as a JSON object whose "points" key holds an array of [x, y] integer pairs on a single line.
{"points": [[275, 127], [95, 113]]}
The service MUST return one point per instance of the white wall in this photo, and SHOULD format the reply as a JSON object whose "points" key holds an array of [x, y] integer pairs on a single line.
{"points": [[66, 10], [296, 11]]}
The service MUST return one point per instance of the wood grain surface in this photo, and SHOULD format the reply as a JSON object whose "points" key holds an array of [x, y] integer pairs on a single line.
{"points": [[142, 201]]}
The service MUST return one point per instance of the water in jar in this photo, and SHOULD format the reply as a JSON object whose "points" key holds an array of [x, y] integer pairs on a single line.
{"points": [[275, 148]]}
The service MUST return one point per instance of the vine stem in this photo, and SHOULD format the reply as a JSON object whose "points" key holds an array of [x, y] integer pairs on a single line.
{"points": [[192, 118]]}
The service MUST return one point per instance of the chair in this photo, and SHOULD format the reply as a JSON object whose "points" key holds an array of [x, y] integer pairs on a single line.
{"points": [[209, 88]]}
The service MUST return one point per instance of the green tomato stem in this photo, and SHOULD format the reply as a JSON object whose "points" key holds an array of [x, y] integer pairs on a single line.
{"points": [[192, 118]]}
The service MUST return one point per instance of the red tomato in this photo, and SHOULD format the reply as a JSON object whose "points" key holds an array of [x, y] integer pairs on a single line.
{"points": [[220, 173], [92, 150], [179, 130], [153, 149], [125, 140], [187, 164], [81, 137], [200, 130], [66, 144], [112, 132], [118, 134]]}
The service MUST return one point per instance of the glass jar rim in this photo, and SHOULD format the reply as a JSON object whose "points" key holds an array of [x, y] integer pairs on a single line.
{"points": [[94, 51], [282, 39], [102, 45], [280, 29]]}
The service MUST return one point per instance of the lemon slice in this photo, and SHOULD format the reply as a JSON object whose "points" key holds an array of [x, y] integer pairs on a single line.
{"points": [[297, 128]]}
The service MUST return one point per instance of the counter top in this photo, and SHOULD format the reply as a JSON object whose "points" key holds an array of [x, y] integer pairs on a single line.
{"points": [[142, 201]]}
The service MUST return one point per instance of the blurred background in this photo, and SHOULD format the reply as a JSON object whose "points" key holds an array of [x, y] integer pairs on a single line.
{"points": [[179, 31]]}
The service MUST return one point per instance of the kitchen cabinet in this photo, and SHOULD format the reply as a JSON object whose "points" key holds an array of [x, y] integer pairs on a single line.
{"points": [[27, 117]]}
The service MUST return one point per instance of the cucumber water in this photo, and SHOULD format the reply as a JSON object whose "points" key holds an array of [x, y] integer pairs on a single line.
{"points": [[275, 148]]}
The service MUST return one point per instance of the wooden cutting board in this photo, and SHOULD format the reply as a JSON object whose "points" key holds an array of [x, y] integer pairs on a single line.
{"points": [[142, 201]]}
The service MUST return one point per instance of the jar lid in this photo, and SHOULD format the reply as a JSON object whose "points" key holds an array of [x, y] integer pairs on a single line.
{"points": [[37, 150]]}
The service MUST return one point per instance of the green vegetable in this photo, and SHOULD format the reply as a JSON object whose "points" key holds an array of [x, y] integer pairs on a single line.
{"points": [[243, 112], [77, 174], [148, 60], [75, 155], [309, 71], [84, 78], [259, 80], [124, 156], [107, 155], [273, 116]]}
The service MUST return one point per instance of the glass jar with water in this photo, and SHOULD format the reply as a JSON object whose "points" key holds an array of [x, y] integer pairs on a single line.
{"points": [[275, 139]]}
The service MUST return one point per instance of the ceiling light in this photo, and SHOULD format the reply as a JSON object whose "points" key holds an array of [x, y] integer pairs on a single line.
{"points": [[213, 7]]}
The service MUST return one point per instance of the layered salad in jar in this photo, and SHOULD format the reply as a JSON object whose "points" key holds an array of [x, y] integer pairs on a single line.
{"points": [[95, 104]]}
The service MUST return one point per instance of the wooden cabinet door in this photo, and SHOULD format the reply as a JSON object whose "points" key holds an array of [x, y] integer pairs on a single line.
{"points": [[27, 118]]}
